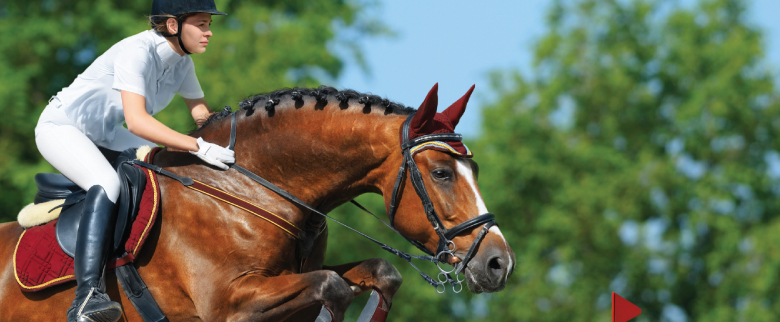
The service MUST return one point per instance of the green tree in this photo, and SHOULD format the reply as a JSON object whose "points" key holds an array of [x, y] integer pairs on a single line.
{"points": [[260, 46], [639, 157]]}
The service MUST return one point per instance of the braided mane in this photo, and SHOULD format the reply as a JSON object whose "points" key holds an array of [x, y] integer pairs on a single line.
{"points": [[322, 94]]}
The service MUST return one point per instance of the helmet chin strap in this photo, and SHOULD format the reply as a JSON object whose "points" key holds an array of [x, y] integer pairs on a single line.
{"points": [[178, 35]]}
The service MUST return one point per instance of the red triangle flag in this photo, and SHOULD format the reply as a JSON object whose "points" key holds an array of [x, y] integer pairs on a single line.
{"points": [[622, 309]]}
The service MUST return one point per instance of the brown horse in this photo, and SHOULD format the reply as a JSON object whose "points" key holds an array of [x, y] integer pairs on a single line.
{"points": [[206, 260]]}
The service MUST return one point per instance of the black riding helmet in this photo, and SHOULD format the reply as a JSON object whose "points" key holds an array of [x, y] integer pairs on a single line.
{"points": [[180, 7]]}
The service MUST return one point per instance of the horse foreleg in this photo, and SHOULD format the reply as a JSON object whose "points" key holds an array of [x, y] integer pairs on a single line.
{"points": [[377, 274], [259, 298]]}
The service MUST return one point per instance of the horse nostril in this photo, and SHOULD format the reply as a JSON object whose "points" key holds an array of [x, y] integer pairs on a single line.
{"points": [[495, 263]]}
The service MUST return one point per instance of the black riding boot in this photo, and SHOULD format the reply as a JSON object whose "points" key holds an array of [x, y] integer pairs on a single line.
{"points": [[92, 247]]}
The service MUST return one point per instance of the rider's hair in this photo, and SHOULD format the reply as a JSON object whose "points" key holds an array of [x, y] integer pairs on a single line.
{"points": [[158, 22]]}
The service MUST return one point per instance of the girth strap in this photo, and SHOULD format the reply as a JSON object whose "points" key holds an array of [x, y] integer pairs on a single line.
{"points": [[139, 294]]}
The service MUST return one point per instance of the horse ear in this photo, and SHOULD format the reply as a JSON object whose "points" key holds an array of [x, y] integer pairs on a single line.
{"points": [[424, 116], [455, 111]]}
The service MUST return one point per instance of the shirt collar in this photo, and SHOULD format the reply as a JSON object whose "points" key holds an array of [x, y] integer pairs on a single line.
{"points": [[168, 56]]}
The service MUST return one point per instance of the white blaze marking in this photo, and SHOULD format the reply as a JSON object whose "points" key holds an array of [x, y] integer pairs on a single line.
{"points": [[465, 172]]}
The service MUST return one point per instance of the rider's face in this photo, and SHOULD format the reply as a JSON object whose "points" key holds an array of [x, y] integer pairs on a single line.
{"points": [[196, 31]]}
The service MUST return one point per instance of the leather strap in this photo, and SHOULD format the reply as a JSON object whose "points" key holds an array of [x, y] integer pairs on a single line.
{"points": [[139, 294], [247, 206], [226, 197], [232, 130], [473, 247], [468, 224], [431, 137], [272, 187], [178, 35], [184, 180]]}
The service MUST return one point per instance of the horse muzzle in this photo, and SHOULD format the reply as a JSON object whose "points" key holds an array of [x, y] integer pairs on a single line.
{"points": [[491, 267]]}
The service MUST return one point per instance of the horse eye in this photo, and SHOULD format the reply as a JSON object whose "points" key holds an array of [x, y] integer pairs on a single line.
{"points": [[441, 174]]}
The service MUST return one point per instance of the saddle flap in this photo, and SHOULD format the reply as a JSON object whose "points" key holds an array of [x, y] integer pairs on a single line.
{"points": [[68, 227], [132, 184]]}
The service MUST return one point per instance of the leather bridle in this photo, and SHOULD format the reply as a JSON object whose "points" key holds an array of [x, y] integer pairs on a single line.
{"points": [[446, 246]]}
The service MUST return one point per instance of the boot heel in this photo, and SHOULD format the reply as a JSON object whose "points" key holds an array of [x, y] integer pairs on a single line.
{"points": [[97, 307]]}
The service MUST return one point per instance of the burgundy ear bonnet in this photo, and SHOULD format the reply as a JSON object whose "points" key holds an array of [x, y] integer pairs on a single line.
{"points": [[427, 121]]}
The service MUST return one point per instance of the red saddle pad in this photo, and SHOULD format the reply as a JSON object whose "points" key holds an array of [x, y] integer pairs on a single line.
{"points": [[39, 262]]}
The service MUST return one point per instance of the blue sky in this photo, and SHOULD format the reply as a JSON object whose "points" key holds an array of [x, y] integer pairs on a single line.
{"points": [[456, 43]]}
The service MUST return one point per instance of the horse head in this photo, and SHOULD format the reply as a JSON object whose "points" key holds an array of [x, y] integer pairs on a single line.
{"points": [[449, 177]]}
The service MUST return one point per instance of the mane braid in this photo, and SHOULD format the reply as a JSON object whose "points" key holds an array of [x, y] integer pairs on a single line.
{"points": [[323, 95]]}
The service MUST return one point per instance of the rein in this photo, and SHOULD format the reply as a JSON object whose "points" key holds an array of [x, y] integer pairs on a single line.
{"points": [[445, 235]]}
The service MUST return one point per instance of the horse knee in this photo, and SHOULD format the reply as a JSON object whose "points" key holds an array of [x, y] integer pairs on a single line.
{"points": [[388, 277], [334, 292]]}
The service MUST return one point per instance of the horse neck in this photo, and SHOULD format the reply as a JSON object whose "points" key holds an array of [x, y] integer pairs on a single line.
{"points": [[325, 157]]}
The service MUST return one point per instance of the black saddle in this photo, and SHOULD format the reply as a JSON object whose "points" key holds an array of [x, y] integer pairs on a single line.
{"points": [[53, 186]]}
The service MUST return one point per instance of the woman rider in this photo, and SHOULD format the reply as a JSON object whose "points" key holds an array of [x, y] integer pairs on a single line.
{"points": [[135, 78]]}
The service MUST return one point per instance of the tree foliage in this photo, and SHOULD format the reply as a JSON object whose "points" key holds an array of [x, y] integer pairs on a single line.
{"points": [[640, 158], [260, 46]]}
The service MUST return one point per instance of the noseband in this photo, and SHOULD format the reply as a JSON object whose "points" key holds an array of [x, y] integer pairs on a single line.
{"points": [[446, 247]]}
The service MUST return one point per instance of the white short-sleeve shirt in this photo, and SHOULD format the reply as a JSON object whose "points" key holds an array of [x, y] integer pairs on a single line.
{"points": [[144, 64]]}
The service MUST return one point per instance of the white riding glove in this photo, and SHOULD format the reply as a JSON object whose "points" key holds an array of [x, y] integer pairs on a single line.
{"points": [[214, 154]]}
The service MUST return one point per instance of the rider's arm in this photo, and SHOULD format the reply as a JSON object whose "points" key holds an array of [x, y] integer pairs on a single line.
{"points": [[140, 123], [199, 110]]}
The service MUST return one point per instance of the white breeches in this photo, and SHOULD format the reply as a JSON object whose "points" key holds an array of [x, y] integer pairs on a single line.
{"points": [[75, 156]]}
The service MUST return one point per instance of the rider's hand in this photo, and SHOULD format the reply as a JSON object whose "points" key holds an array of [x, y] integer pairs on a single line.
{"points": [[214, 154]]}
